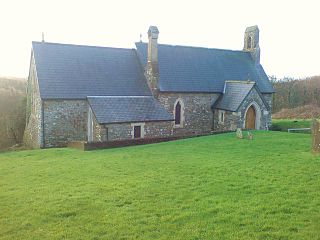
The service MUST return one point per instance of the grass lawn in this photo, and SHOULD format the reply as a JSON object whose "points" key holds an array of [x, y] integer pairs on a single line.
{"points": [[213, 187], [284, 124]]}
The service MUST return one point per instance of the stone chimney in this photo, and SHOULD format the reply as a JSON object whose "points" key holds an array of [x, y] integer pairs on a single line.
{"points": [[152, 65], [251, 43]]}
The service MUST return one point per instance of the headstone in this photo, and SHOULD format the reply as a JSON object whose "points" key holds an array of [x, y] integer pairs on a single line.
{"points": [[316, 135], [250, 136], [239, 133]]}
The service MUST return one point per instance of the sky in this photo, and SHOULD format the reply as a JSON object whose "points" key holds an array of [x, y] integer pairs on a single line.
{"points": [[289, 30]]}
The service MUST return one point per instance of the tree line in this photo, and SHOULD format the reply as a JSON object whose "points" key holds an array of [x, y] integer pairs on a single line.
{"points": [[12, 111], [293, 93]]}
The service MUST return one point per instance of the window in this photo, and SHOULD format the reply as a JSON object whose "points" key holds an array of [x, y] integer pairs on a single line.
{"points": [[177, 119], [221, 116], [249, 42], [136, 131]]}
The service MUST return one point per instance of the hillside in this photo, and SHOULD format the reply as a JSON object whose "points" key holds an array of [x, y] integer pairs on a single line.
{"points": [[214, 187], [297, 98], [12, 110]]}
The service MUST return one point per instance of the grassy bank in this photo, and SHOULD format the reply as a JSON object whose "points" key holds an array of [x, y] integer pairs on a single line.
{"points": [[214, 187], [284, 124]]}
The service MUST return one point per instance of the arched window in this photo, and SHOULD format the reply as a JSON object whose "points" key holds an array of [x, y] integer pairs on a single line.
{"points": [[177, 115], [249, 42]]}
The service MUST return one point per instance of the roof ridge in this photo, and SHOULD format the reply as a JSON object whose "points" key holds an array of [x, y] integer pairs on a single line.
{"points": [[240, 81], [186, 46], [120, 96], [80, 45]]}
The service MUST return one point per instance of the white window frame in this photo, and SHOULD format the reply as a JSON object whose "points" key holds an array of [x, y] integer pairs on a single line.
{"points": [[142, 134]]}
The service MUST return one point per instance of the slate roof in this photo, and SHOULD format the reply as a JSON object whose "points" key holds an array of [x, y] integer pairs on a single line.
{"points": [[128, 109], [67, 71], [195, 69], [234, 94]]}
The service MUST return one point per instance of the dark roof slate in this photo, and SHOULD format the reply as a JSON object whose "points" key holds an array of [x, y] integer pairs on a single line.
{"points": [[195, 69], [128, 109], [75, 72], [234, 94]]}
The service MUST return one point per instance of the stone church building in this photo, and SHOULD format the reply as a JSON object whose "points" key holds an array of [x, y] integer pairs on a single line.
{"points": [[86, 93]]}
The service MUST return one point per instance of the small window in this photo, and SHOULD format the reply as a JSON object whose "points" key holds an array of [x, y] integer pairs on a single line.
{"points": [[136, 131], [221, 117], [177, 119], [249, 42]]}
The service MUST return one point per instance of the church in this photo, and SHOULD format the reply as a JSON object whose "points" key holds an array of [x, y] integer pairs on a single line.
{"points": [[99, 94]]}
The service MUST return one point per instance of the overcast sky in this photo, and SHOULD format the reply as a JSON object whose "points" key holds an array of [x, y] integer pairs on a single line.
{"points": [[289, 30]]}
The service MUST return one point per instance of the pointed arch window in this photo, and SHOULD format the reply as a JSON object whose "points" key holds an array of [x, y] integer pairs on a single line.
{"points": [[178, 113], [177, 119]]}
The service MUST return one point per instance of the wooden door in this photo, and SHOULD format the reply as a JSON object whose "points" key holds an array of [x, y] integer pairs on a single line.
{"points": [[251, 118], [137, 132]]}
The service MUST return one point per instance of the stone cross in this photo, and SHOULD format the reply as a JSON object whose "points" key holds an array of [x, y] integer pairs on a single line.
{"points": [[316, 136]]}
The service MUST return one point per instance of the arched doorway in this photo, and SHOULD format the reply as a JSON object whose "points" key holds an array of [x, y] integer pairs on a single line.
{"points": [[251, 118]]}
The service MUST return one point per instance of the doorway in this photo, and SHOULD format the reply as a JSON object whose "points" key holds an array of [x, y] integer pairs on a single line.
{"points": [[251, 118]]}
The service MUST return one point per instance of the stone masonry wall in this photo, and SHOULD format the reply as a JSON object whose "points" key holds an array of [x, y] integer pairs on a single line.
{"points": [[124, 131], [268, 97], [64, 121], [197, 117], [158, 129], [33, 132], [231, 121], [97, 130]]}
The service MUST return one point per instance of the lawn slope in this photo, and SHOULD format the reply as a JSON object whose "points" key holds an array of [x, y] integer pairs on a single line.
{"points": [[214, 187]]}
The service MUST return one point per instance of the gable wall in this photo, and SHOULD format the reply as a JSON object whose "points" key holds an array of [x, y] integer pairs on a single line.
{"points": [[64, 121], [265, 114], [198, 116], [33, 132], [234, 120]]}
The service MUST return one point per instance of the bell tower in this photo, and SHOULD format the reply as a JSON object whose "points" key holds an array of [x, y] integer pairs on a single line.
{"points": [[251, 43]]}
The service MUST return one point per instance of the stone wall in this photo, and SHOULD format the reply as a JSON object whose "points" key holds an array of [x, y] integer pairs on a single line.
{"points": [[33, 132], [97, 130], [269, 98], [64, 121], [231, 121], [124, 131], [197, 114]]}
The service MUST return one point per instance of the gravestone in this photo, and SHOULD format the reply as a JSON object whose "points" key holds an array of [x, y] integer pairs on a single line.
{"points": [[239, 133], [316, 135], [250, 136]]}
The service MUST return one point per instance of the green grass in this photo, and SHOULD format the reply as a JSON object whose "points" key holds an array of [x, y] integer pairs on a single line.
{"points": [[284, 124], [214, 187]]}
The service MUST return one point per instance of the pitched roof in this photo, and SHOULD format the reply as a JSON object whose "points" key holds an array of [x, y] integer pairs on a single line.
{"points": [[75, 72], [234, 94], [195, 69], [128, 109]]}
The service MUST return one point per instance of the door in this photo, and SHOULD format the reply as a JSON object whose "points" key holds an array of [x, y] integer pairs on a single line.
{"points": [[251, 118], [137, 131]]}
